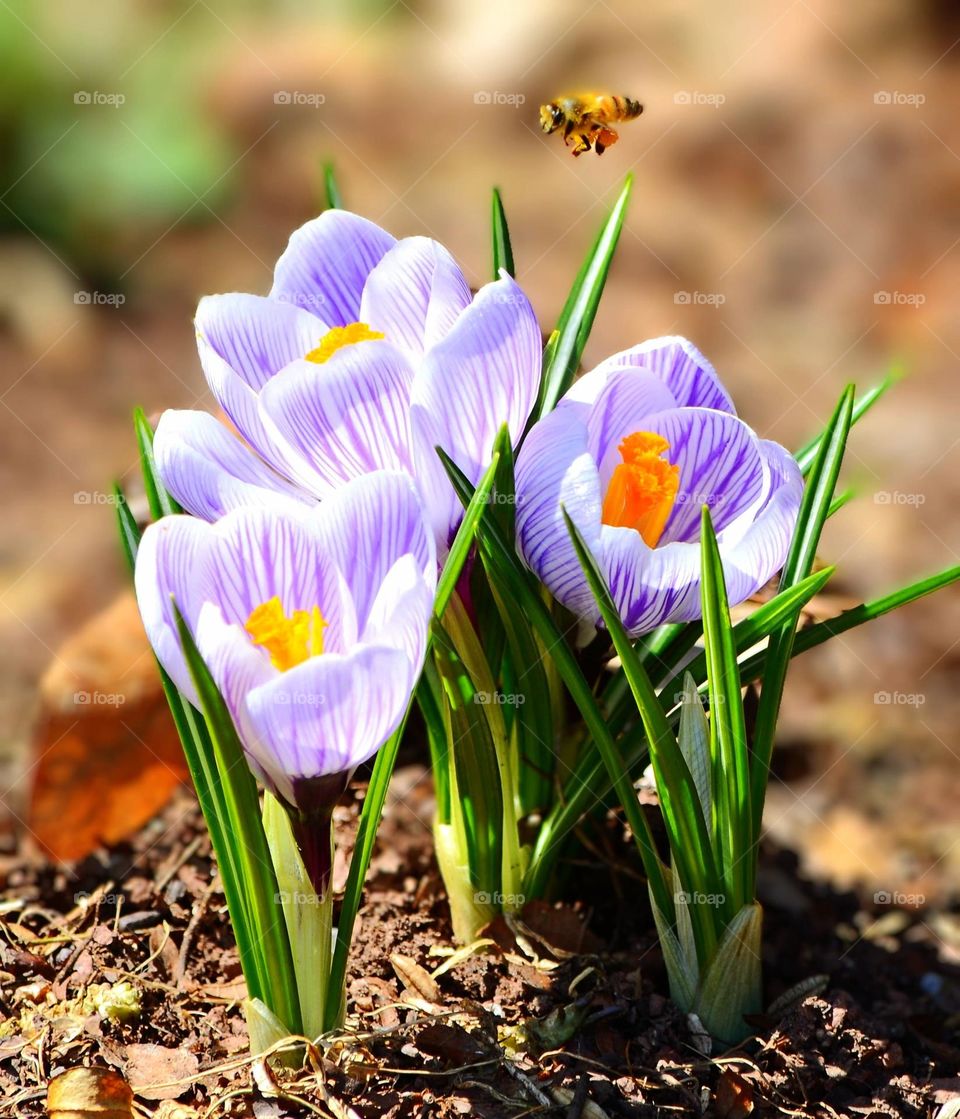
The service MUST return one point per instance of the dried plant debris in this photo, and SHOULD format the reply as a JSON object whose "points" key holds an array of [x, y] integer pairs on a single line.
{"points": [[120, 991]]}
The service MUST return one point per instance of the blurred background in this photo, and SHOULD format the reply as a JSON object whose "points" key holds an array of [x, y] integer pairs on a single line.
{"points": [[796, 214]]}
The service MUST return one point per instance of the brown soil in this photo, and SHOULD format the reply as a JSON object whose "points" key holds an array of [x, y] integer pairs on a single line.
{"points": [[565, 1016]]}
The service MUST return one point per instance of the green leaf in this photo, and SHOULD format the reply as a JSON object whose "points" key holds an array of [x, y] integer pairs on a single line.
{"points": [[565, 348], [732, 816], [730, 986], [817, 500], [160, 502], [334, 197], [245, 834], [502, 250], [129, 529], [679, 800], [693, 738]]}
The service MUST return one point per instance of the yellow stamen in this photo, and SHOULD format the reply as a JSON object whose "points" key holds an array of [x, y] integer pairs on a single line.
{"points": [[643, 488], [340, 336], [289, 641]]}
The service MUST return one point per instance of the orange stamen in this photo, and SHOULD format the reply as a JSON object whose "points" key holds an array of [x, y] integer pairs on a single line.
{"points": [[643, 488]]}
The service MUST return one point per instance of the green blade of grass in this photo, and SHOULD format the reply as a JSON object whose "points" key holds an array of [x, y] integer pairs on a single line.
{"points": [[818, 496], [246, 836], [160, 502], [565, 348], [502, 249], [334, 197], [807, 454], [679, 800], [732, 816]]}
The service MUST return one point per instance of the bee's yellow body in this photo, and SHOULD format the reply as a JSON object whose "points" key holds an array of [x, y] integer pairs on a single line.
{"points": [[586, 119]]}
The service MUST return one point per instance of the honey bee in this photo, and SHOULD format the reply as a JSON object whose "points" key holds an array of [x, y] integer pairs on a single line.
{"points": [[586, 119]]}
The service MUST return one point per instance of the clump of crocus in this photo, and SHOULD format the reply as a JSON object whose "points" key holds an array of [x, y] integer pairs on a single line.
{"points": [[367, 354], [633, 452]]}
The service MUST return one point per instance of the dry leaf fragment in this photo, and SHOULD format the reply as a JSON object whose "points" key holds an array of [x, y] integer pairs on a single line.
{"points": [[415, 978], [89, 1093], [159, 1073]]}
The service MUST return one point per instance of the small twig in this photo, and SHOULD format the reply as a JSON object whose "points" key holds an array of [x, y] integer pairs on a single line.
{"points": [[185, 944]]}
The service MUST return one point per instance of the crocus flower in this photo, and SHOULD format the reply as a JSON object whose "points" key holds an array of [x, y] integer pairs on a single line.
{"points": [[312, 620], [633, 451], [367, 354]]}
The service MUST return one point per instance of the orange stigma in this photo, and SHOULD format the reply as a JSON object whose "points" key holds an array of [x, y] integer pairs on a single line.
{"points": [[340, 336], [643, 488], [289, 641]]}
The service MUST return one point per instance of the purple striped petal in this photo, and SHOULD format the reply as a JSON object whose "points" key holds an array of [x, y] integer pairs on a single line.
{"points": [[173, 562], [720, 466], [326, 264], [210, 471], [677, 363], [623, 406], [483, 374], [400, 614], [347, 416], [257, 554], [329, 714], [554, 470], [650, 586], [755, 546], [256, 337], [367, 526], [414, 295]]}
